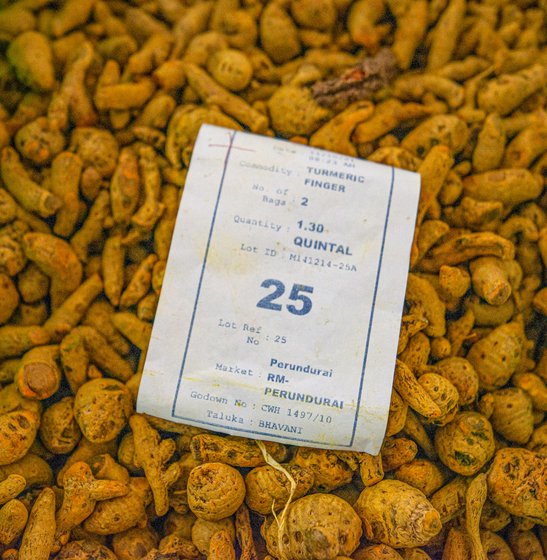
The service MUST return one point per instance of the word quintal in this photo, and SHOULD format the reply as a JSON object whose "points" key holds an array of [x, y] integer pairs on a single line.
{"points": [[300, 368], [303, 397], [279, 427], [320, 245]]}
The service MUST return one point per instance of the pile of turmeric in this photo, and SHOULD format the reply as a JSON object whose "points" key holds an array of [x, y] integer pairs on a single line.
{"points": [[100, 106]]}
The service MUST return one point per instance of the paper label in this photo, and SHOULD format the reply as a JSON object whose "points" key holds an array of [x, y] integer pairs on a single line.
{"points": [[281, 304]]}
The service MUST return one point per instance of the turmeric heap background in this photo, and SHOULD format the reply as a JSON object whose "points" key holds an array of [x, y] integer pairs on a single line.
{"points": [[100, 104]]}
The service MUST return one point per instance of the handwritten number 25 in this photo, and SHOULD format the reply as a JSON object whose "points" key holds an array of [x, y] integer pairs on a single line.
{"points": [[297, 294]]}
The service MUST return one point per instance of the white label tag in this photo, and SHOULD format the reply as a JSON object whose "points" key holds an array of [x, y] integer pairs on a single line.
{"points": [[281, 304]]}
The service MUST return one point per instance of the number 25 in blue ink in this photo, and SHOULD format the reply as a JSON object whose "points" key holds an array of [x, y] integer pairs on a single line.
{"points": [[296, 295]]}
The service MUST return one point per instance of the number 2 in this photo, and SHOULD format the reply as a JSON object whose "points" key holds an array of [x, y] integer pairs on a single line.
{"points": [[266, 302], [295, 295]]}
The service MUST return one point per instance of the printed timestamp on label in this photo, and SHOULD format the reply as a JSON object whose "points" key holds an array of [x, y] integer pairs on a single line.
{"points": [[283, 292]]}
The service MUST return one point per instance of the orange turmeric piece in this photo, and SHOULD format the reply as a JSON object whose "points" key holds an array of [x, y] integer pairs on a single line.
{"points": [[39, 375], [38, 538], [215, 491], [221, 547], [152, 454], [81, 492], [29, 194], [57, 260]]}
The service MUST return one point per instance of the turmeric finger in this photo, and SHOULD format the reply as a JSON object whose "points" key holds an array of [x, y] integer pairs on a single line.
{"points": [[237, 452], [411, 18], [28, 193], [99, 317], [73, 96], [488, 152], [278, 34], [510, 412], [31, 56], [11, 487], [38, 538], [362, 23], [65, 179], [137, 331], [166, 224], [72, 14], [449, 500], [417, 86], [244, 534], [461, 70], [113, 258], [32, 468], [71, 311], [504, 94], [152, 454], [8, 208], [13, 518], [153, 53], [15, 19], [535, 388], [57, 259], [151, 210], [490, 281], [74, 359], [474, 501], [466, 247], [433, 172], [92, 228], [9, 298], [123, 96], [448, 130], [213, 93], [413, 393], [421, 295], [445, 34], [221, 547], [140, 283], [335, 135], [125, 187], [526, 147], [415, 430], [104, 355], [15, 340], [508, 186]]}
